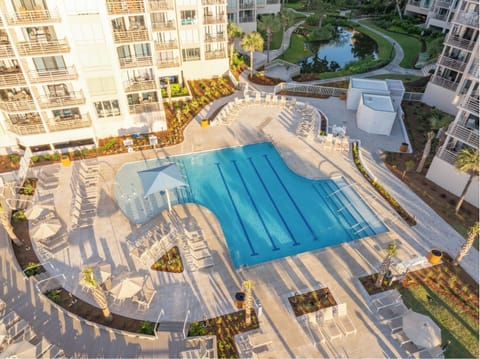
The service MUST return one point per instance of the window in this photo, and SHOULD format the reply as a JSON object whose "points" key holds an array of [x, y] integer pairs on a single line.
{"points": [[142, 50], [50, 63], [191, 54], [66, 113], [189, 17], [107, 108]]}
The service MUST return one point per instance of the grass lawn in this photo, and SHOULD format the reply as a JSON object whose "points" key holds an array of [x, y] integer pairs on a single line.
{"points": [[410, 45], [296, 52], [385, 48], [456, 326]]}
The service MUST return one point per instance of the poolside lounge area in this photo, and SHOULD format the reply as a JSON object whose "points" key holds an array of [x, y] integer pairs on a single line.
{"points": [[209, 291]]}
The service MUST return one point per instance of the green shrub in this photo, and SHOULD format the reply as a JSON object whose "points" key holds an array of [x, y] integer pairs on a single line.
{"points": [[33, 268], [28, 189], [35, 159], [18, 216], [56, 156], [196, 329], [47, 157], [14, 158], [85, 152], [54, 295], [147, 328], [77, 153]]}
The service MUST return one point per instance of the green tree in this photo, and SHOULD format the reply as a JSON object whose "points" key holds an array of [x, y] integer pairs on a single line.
{"points": [[233, 31], [7, 224], [391, 250], [269, 24], [88, 278], [286, 18], [473, 233], [467, 162], [251, 42]]}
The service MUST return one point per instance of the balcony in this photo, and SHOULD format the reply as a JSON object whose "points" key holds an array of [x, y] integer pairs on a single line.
{"points": [[470, 104], [6, 50], [247, 6], [218, 54], [449, 85], [140, 85], [17, 105], [457, 41], [73, 98], [218, 19], [454, 64], [165, 45], [144, 107], [467, 18], [130, 36], [164, 26], [39, 16], [448, 156], [464, 134], [443, 3], [213, 2], [159, 5], [168, 62], [441, 17], [116, 7], [28, 48], [25, 130], [220, 37], [69, 73], [70, 123], [129, 62], [11, 78]]}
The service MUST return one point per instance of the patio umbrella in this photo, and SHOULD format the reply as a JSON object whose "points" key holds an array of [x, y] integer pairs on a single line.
{"points": [[21, 349], [45, 229], [38, 210], [422, 330], [126, 287], [102, 270], [161, 178]]}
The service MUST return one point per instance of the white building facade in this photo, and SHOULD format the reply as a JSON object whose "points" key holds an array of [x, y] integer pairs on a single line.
{"points": [[244, 12], [438, 14], [72, 72]]}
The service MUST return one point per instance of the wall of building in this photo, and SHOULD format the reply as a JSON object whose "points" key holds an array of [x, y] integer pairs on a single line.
{"points": [[439, 97]]}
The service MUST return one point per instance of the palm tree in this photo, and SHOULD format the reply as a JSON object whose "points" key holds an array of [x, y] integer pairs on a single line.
{"points": [[252, 42], [286, 17], [7, 224], [473, 233], [392, 249], [269, 24], [99, 296], [467, 161], [233, 31]]}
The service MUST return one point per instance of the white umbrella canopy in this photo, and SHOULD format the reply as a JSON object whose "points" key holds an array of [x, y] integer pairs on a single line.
{"points": [[45, 229], [38, 210], [21, 349], [422, 330], [126, 287]]}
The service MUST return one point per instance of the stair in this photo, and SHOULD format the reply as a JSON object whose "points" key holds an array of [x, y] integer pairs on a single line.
{"points": [[427, 68], [170, 326]]}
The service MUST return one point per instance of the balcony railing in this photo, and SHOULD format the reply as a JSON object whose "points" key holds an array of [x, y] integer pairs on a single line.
{"points": [[156, 5], [17, 106], [218, 19], [470, 104], [218, 54], [8, 79], [28, 48], [115, 7], [165, 45], [448, 156], [73, 98], [443, 3], [213, 2], [474, 70], [449, 85], [467, 18], [457, 41], [69, 73], [441, 17], [247, 5], [129, 62], [6, 50], [420, 4], [144, 107], [169, 62], [23, 130], [464, 134], [454, 64], [164, 26], [23, 16], [220, 37], [130, 36], [140, 85], [81, 121]]}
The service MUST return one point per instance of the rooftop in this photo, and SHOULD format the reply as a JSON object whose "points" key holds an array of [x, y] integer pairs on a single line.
{"points": [[364, 84], [378, 102]]}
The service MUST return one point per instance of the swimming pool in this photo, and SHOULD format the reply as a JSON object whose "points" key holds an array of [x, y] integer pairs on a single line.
{"points": [[266, 211]]}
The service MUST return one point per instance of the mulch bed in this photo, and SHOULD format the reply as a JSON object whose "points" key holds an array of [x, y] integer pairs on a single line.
{"points": [[312, 301], [263, 80], [169, 262]]}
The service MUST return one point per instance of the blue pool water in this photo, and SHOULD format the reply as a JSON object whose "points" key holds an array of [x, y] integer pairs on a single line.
{"points": [[266, 211]]}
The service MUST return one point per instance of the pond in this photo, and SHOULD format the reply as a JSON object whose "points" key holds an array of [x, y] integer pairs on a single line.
{"points": [[348, 46]]}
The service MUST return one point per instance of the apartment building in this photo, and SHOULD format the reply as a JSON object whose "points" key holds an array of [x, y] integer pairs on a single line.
{"points": [[244, 12], [72, 72], [437, 14], [454, 89]]}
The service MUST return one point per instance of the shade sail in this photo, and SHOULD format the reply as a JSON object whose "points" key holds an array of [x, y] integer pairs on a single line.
{"points": [[126, 287], [38, 210], [422, 330], [45, 229], [161, 178]]}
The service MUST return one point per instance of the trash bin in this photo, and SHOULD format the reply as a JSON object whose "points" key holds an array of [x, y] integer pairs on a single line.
{"points": [[403, 147], [66, 160], [204, 123], [434, 256], [240, 300]]}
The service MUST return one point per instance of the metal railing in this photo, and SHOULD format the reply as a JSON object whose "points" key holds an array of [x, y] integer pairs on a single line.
{"points": [[169, 62], [246, 5], [73, 98], [471, 104], [441, 17], [457, 41], [215, 37], [454, 64], [450, 85], [219, 54], [130, 36], [8, 79], [135, 62], [309, 89], [23, 16], [156, 5], [17, 106], [412, 96], [443, 3], [6, 50], [218, 19], [144, 107], [68, 73], [69, 124], [26, 129], [467, 18], [165, 45], [464, 134], [164, 25], [141, 85], [448, 156], [26, 48], [213, 2], [115, 7]]}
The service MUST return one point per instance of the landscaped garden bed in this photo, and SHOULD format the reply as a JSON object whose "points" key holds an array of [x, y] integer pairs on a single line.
{"points": [[169, 262], [310, 302], [225, 327]]}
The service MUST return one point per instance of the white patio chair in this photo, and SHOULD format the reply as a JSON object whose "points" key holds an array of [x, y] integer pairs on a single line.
{"points": [[326, 321], [386, 299], [344, 321], [314, 328], [391, 312]]}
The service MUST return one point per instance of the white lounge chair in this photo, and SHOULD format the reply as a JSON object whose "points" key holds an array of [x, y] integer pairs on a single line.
{"points": [[389, 298], [392, 311], [344, 321], [314, 328], [327, 322]]}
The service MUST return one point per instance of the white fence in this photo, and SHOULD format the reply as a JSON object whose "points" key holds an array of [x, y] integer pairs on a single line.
{"points": [[309, 89], [413, 96]]}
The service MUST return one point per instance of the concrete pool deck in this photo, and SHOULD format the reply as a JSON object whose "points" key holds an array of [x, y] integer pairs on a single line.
{"points": [[211, 292]]}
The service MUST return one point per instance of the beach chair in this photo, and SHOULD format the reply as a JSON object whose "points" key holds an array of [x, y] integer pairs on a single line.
{"points": [[314, 329], [391, 312], [326, 321], [197, 245], [201, 253], [401, 337], [395, 324], [387, 299], [343, 320], [197, 264]]}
